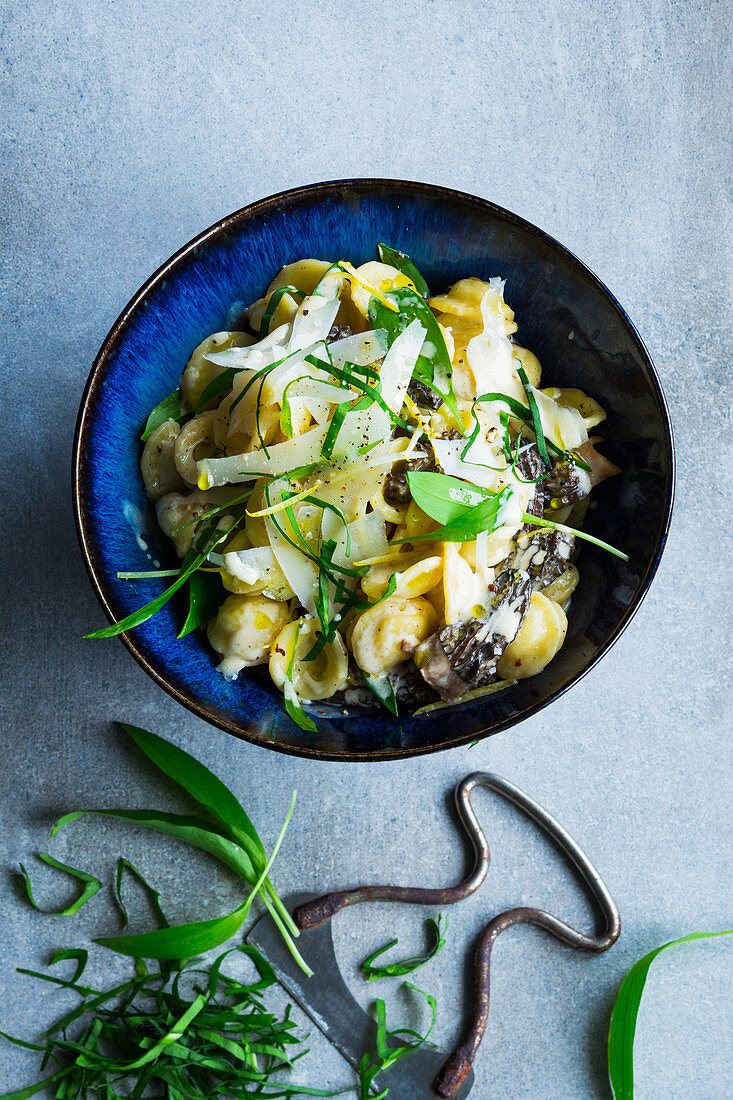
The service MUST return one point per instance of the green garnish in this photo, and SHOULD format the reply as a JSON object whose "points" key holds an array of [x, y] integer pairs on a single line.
{"points": [[293, 705], [233, 840], [385, 1055], [169, 408], [535, 414], [625, 1012], [274, 302], [406, 966], [404, 264], [194, 1033], [220, 384], [470, 510], [203, 543], [381, 686], [92, 886], [204, 600]]}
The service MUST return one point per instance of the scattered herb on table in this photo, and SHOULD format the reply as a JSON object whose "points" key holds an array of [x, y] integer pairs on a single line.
{"points": [[625, 1011], [229, 835], [194, 1032], [385, 1054], [406, 966]]}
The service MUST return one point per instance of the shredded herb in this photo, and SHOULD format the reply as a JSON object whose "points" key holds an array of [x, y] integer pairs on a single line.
{"points": [[196, 1032], [404, 264], [169, 408], [381, 686], [204, 600], [92, 886], [274, 302], [406, 966], [385, 1053]]}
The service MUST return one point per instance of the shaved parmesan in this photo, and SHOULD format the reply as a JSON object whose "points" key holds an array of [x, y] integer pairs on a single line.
{"points": [[362, 348], [399, 363]]}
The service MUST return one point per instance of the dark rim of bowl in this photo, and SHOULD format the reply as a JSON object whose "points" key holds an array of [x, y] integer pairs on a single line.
{"points": [[261, 206]]}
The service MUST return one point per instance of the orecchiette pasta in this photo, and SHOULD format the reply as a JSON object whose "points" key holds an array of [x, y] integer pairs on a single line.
{"points": [[539, 638], [317, 679], [158, 462], [377, 471], [244, 630]]}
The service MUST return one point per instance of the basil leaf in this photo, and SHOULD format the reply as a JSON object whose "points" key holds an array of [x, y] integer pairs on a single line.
{"points": [[169, 408], [205, 596], [404, 264], [92, 886], [625, 1013]]}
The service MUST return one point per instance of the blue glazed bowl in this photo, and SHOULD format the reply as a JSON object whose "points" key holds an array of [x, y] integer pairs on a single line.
{"points": [[567, 317]]}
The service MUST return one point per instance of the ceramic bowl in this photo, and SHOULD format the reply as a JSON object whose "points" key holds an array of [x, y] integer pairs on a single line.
{"points": [[581, 334]]}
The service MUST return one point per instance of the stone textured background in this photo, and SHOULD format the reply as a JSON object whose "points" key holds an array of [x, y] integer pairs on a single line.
{"points": [[129, 127]]}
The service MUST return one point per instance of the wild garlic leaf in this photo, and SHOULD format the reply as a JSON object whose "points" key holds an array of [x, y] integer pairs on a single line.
{"points": [[205, 597], [92, 886], [625, 1012], [154, 895], [191, 830], [221, 383], [274, 302], [405, 966], [169, 408], [386, 1054], [381, 686], [203, 786], [445, 498], [469, 520], [404, 264]]}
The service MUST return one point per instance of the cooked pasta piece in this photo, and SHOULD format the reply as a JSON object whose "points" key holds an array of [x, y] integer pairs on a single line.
{"points": [[244, 630]]}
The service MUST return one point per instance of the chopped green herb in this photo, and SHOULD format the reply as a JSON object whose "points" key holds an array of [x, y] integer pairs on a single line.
{"points": [[219, 384], [274, 302], [536, 418], [197, 1033], [405, 966], [404, 264], [92, 886], [381, 686], [169, 408], [385, 1054]]}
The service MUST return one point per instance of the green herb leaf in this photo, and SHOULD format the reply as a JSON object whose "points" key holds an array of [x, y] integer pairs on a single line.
{"points": [[404, 264], [405, 966], [385, 1054], [274, 302], [191, 830], [92, 886], [154, 895], [538, 521], [203, 544], [625, 1012], [169, 408], [221, 383], [205, 597], [467, 523], [444, 498], [78, 954], [382, 688], [535, 413], [203, 786], [293, 705]]}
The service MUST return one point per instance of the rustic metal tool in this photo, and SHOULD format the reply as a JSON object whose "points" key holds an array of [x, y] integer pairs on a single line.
{"points": [[310, 914], [328, 1001]]}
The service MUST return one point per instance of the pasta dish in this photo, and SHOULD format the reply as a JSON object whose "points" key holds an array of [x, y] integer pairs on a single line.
{"points": [[370, 491]]}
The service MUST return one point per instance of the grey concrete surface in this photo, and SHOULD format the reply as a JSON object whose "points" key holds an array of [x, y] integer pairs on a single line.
{"points": [[127, 128]]}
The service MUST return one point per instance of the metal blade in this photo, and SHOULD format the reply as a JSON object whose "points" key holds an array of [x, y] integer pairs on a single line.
{"points": [[327, 1000]]}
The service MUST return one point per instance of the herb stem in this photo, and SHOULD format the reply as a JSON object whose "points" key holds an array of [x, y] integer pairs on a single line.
{"points": [[539, 522]]}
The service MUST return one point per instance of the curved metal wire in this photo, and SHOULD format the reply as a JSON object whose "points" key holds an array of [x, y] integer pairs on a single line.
{"points": [[458, 1065]]}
